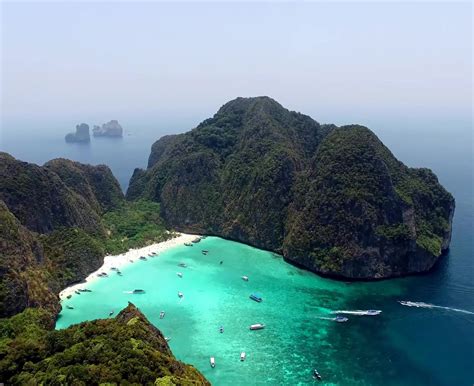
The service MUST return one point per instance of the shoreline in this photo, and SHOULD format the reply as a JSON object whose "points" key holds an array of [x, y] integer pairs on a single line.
{"points": [[124, 259]]}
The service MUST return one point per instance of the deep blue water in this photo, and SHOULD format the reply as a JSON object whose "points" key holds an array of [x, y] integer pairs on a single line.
{"points": [[434, 346]]}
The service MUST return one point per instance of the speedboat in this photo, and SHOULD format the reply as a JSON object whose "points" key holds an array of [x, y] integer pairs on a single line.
{"points": [[340, 319], [257, 326], [179, 274], [245, 278], [316, 375], [256, 297], [162, 314], [373, 312], [180, 294], [111, 313], [242, 356], [138, 291], [213, 362]]}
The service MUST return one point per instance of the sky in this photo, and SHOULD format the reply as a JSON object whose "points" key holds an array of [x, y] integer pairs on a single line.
{"points": [[151, 61]]}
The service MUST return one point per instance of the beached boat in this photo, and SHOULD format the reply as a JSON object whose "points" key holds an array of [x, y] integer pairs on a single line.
{"points": [[256, 297], [114, 269], [212, 361], [245, 278], [242, 356], [179, 274], [257, 326], [138, 291], [162, 314], [196, 240], [180, 294]]}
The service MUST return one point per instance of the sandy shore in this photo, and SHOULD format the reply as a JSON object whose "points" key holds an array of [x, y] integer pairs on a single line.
{"points": [[119, 261]]}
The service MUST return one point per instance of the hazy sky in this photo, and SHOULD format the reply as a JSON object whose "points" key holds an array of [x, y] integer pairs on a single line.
{"points": [[148, 60]]}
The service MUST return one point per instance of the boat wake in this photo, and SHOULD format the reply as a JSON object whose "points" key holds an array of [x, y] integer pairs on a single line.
{"points": [[428, 305], [358, 312]]}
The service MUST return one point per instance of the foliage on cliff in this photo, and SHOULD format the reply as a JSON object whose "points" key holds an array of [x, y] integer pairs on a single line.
{"points": [[123, 350], [40, 256], [334, 200]]}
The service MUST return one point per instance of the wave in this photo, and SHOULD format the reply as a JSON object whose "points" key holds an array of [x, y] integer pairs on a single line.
{"points": [[428, 305], [358, 312]]}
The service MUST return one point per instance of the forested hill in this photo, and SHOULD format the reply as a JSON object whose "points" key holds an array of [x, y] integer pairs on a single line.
{"points": [[332, 199]]}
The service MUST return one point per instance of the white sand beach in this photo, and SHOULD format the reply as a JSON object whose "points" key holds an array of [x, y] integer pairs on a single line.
{"points": [[119, 261]]}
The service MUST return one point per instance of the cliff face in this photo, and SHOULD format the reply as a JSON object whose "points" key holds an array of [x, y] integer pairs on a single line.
{"points": [[123, 350], [48, 217], [334, 200]]}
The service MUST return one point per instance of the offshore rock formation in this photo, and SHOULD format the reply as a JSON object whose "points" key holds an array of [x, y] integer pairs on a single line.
{"points": [[109, 129], [81, 135], [331, 199], [123, 350]]}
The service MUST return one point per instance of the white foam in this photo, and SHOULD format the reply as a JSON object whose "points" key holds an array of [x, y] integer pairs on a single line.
{"points": [[428, 305]]}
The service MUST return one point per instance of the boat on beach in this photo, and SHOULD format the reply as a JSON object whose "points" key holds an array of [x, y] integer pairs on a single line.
{"points": [[257, 326]]}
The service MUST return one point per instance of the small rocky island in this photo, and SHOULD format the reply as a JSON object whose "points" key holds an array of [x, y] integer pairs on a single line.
{"points": [[109, 129], [81, 135]]}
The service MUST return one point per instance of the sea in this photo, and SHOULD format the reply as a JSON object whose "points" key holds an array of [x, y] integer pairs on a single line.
{"points": [[427, 341]]}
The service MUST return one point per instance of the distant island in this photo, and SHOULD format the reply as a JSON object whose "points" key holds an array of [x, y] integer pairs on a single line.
{"points": [[81, 135], [109, 129], [331, 199]]}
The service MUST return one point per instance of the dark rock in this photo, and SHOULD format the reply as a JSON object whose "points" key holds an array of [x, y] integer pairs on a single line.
{"points": [[81, 135]]}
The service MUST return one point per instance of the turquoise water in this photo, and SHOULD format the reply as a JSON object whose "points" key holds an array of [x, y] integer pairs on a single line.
{"points": [[294, 341]]}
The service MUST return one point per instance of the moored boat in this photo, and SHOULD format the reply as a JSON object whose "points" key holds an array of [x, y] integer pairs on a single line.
{"points": [[70, 307], [257, 326], [242, 356], [142, 258], [179, 274], [257, 297], [182, 265], [245, 278], [111, 313], [316, 375], [180, 294], [138, 291], [212, 361], [188, 244], [162, 314]]}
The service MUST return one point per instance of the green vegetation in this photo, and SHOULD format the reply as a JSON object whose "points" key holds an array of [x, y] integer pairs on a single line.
{"points": [[133, 225], [124, 350], [333, 199]]}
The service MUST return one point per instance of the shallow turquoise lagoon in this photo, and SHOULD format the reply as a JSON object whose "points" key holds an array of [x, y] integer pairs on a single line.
{"points": [[367, 350]]}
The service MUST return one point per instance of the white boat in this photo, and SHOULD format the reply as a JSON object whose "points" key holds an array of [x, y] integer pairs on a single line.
{"points": [[167, 339], [162, 314], [242, 356], [213, 362], [257, 326], [111, 313], [245, 278], [180, 294], [179, 274]]}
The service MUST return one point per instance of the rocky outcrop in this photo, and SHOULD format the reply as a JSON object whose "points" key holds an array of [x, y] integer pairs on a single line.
{"points": [[331, 199], [126, 350], [109, 129], [81, 135]]}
